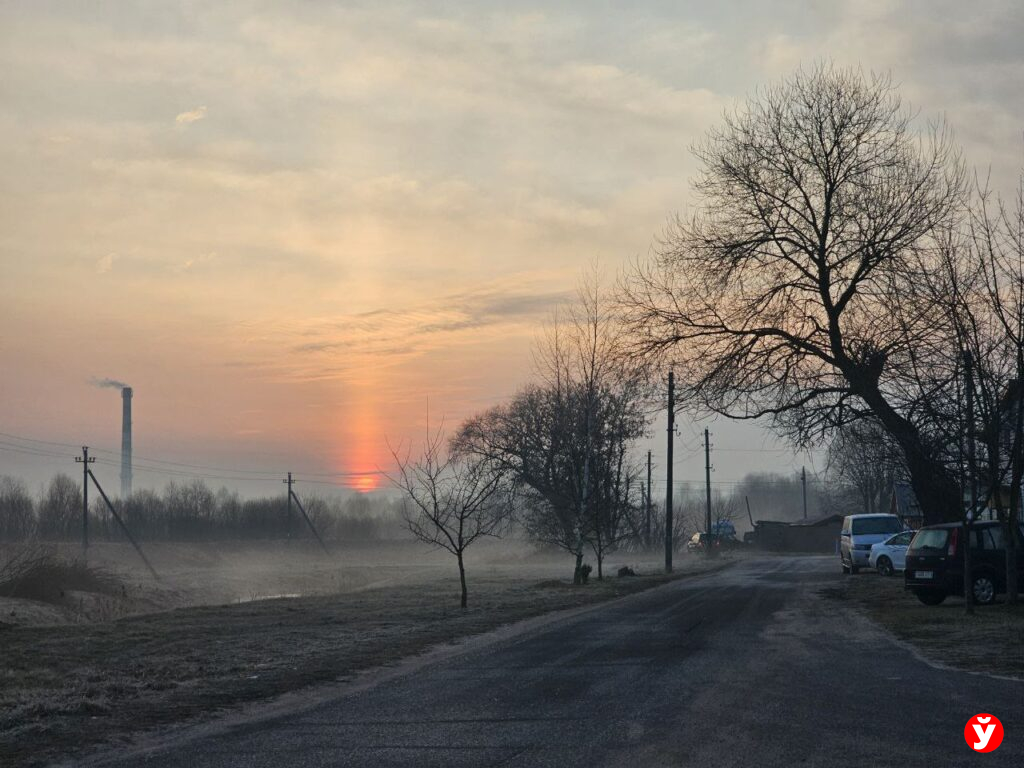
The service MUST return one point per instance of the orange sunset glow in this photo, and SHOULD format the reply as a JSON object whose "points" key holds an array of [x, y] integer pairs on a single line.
{"points": [[285, 267]]}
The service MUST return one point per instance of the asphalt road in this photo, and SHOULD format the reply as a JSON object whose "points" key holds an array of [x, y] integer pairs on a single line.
{"points": [[746, 667]]}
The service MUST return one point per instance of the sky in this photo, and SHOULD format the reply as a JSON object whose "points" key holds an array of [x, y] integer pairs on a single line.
{"points": [[303, 229]]}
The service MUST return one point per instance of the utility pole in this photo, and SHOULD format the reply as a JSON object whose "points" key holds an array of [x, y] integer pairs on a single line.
{"points": [[707, 481], [668, 485], [85, 460], [803, 482], [288, 522], [302, 509], [969, 431], [647, 505]]}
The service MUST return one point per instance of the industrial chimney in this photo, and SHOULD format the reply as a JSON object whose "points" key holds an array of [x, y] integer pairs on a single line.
{"points": [[126, 443]]}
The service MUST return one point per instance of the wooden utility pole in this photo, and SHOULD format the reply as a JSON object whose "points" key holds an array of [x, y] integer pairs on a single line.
{"points": [[288, 520], [85, 460], [972, 468], [668, 470], [707, 482], [803, 483], [647, 505]]}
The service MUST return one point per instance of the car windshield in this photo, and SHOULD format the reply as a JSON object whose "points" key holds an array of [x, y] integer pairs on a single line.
{"points": [[930, 539], [876, 525]]}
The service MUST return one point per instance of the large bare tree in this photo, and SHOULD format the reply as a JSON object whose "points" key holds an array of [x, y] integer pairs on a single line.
{"points": [[780, 296]]}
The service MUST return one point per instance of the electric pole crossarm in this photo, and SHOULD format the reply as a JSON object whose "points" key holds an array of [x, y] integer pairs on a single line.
{"points": [[124, 528]]}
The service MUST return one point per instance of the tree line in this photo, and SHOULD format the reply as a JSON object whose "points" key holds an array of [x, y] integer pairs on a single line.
{"points": [[189, 511]]}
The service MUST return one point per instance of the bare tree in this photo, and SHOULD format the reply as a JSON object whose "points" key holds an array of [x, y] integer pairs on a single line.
{"points": [[453, 499], [60, 508], [566, 439], [17, 516], [778, 298], [990, 315], [863, 458]]}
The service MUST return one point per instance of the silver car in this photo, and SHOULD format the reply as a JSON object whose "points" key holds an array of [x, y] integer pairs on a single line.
{"points": [[890, 555]]}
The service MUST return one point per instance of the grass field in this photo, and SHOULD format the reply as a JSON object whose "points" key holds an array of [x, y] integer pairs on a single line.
{"points": [[203, 640], [991, 641]]}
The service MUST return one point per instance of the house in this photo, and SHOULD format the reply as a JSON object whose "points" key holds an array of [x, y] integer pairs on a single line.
{"points": [[903, 504]]}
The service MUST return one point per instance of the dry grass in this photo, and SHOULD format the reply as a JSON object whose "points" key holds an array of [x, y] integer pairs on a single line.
{"points": [[991, 641], [39, 573], [64, 689]]}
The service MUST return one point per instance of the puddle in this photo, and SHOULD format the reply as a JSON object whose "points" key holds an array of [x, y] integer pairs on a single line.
{"points": [[280, 596]]}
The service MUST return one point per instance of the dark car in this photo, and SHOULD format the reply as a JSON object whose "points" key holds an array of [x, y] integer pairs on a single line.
{"points": [[935, 562]]}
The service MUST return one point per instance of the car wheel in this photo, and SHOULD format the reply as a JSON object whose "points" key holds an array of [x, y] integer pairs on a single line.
{"points": [[983, 589], [854, 569], [930, 596], [884, 566]]}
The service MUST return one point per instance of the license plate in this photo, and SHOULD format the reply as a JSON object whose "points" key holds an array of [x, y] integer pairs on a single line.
{"points": [[923, 574]]}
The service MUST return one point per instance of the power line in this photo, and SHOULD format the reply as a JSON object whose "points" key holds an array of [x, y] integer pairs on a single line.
{"points": [[163, 466]]}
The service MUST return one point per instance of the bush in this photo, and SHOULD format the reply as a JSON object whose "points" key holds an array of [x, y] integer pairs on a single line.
{"points": [[34, 573], [626, 571], [585, 570]]}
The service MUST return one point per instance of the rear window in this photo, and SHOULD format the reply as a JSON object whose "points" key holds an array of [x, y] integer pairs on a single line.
{"points": [[863, 525], [933, 539]]}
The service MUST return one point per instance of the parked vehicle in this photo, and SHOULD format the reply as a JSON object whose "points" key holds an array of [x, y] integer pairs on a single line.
{"points": [[701, 542], [889, 556], [935, 562], [859, 533]]}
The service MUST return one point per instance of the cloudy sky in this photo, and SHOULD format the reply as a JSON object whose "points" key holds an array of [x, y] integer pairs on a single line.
{"points": [[291, 225]]}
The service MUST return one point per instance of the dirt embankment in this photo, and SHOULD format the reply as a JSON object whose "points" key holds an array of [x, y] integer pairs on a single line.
{"points": [[65, 689]]}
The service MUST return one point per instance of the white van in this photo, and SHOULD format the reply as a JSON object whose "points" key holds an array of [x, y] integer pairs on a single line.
{"points": [[859, 533]]}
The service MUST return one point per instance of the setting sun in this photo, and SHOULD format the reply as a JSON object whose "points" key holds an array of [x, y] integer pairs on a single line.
{"points": [[365, 483]]}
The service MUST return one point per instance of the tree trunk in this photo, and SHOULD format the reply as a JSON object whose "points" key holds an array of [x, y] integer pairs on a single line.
{"points": [[577, 576], [1016, 493], [600, 564], [462, 580], [937, 492]]}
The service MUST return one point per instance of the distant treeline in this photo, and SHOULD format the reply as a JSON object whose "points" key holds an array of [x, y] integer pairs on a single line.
{"points": [[193, 511], [189, 512]]}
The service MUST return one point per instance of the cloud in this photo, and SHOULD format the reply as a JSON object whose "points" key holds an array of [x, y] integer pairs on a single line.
{"points": [[105, 263], [390, 334], [203, 258], [191, 117]]}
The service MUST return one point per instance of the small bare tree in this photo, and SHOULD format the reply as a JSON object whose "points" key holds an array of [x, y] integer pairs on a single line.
{"points": [[452, 499]]}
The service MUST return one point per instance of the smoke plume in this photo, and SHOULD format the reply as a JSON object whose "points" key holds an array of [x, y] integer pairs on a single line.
{"points": [[108, 383]]}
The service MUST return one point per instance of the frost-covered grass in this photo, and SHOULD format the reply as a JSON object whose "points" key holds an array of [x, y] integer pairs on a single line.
{"points": [[65, 688]]}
